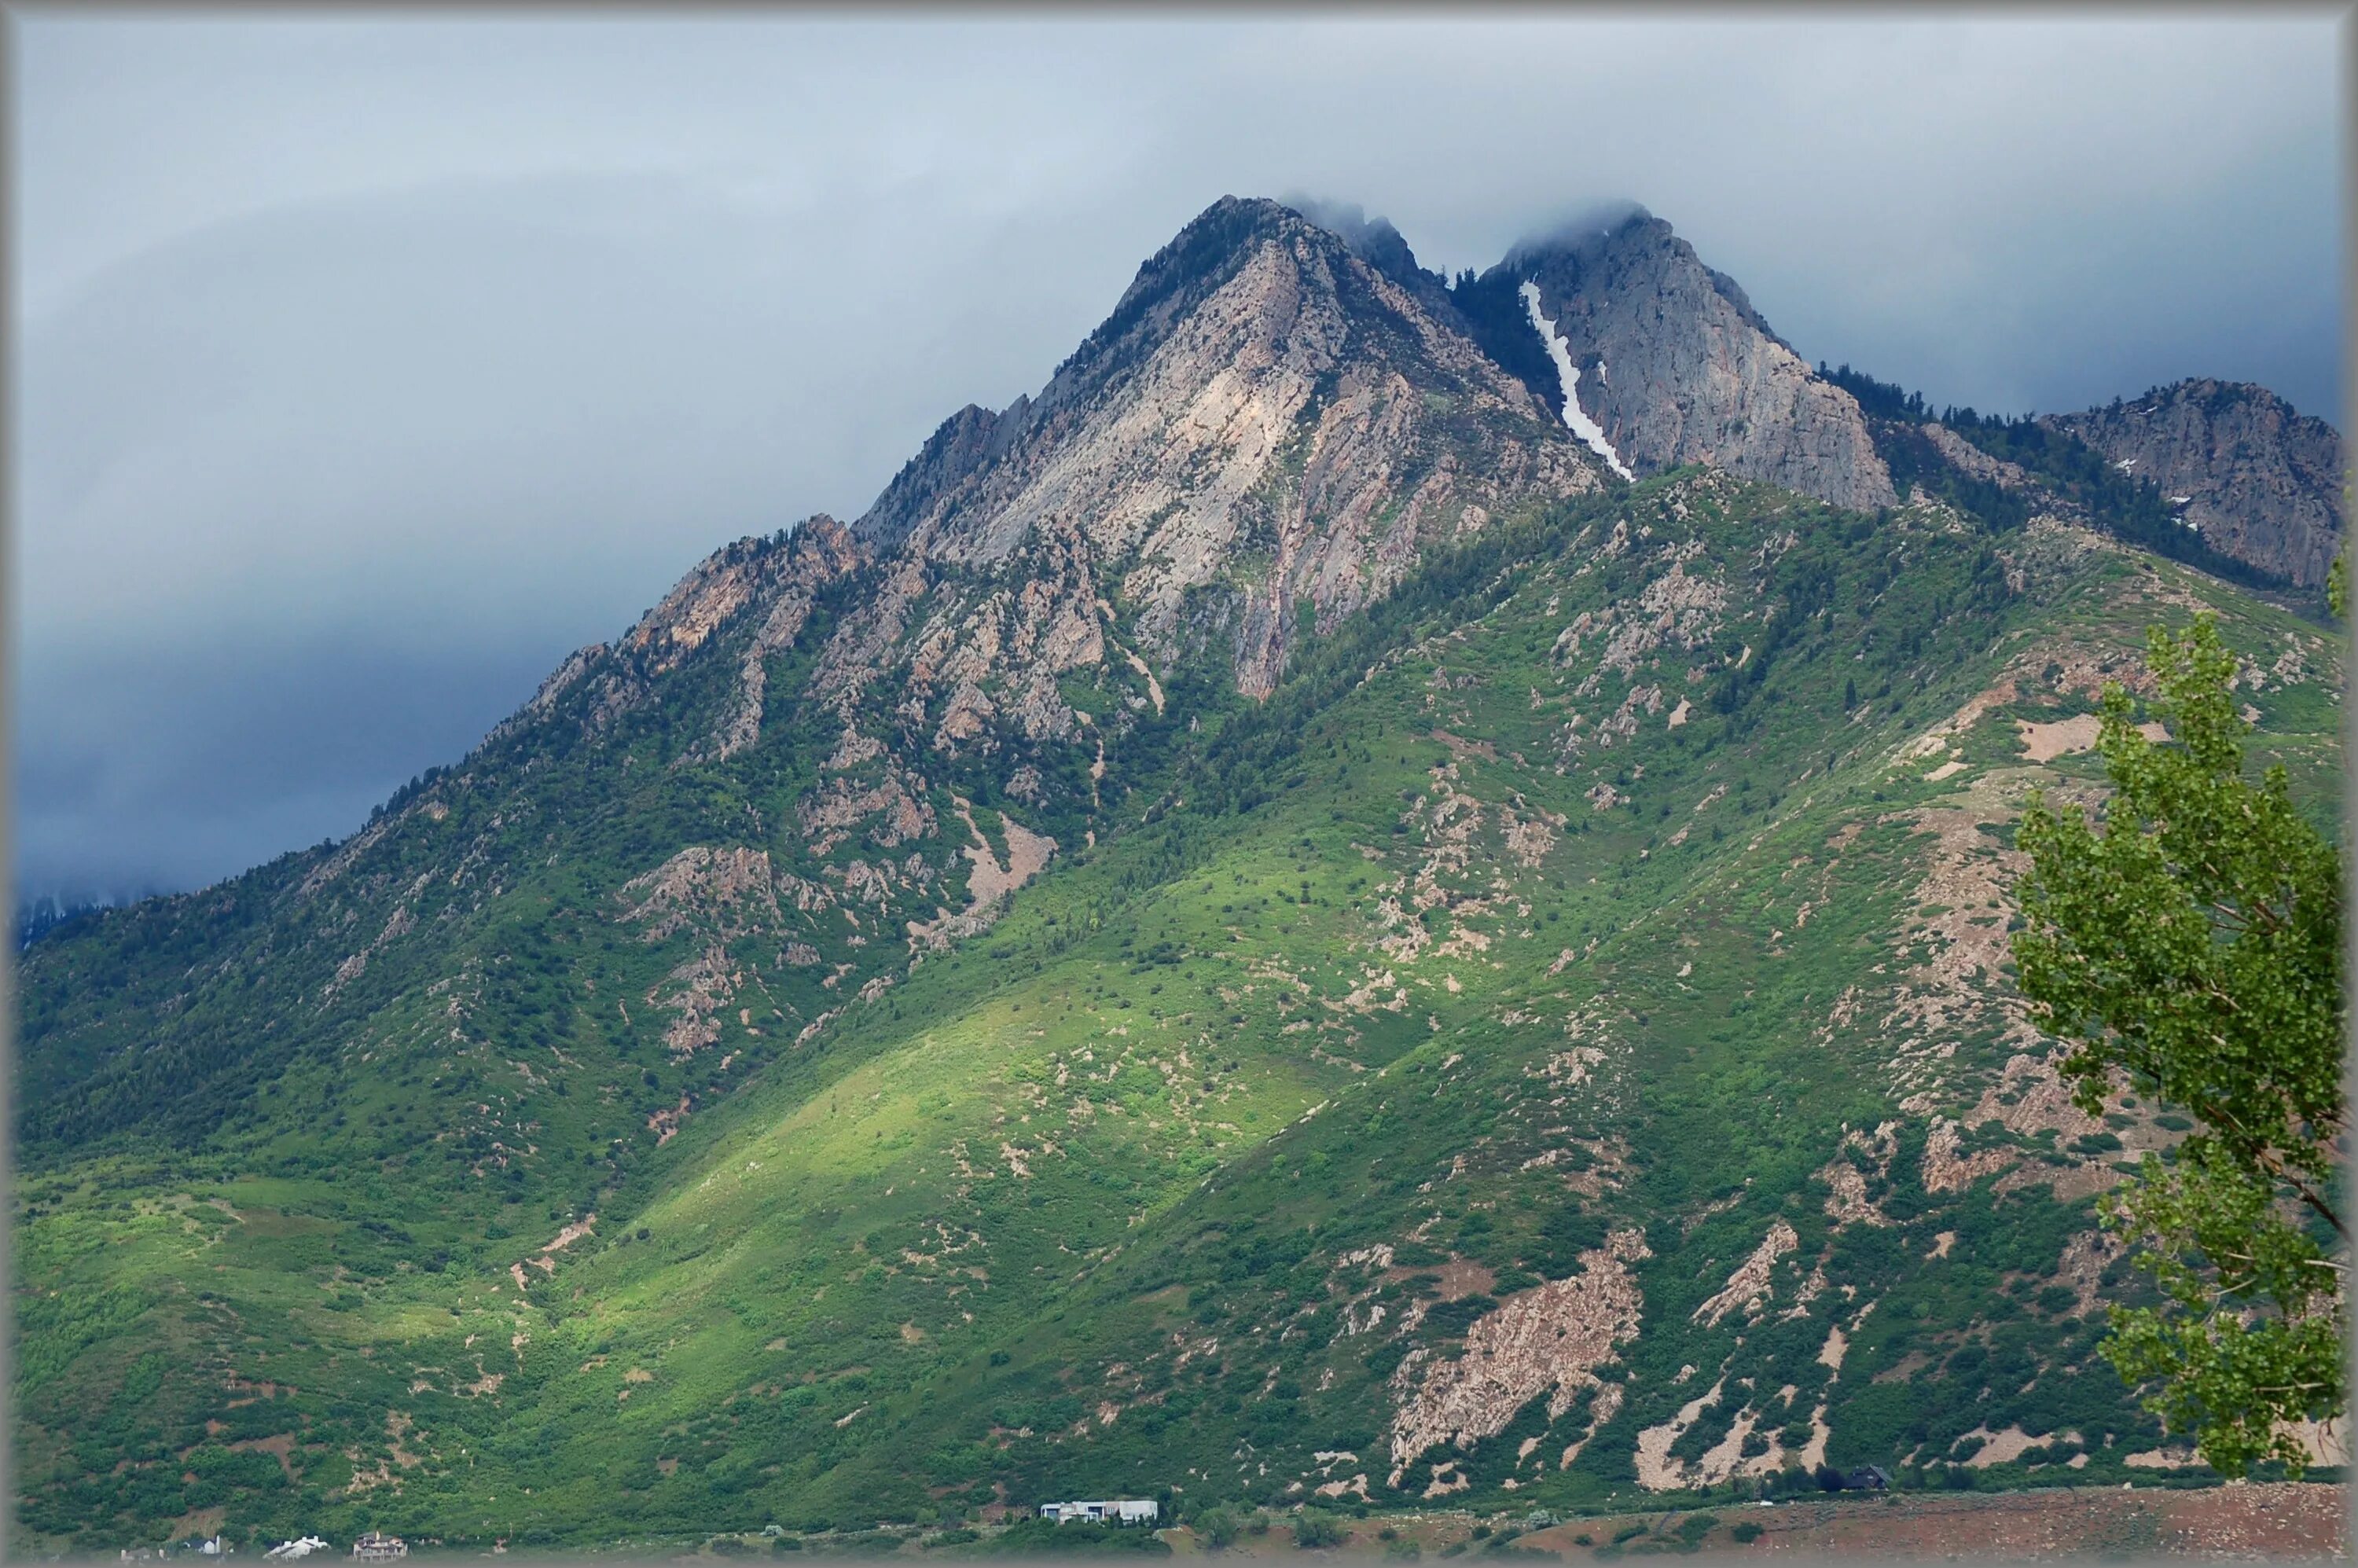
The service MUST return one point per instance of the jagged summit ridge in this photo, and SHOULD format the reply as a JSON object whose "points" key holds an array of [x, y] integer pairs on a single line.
{"points": [[1263, 414], [1197, 261], [1373, 239], [2260, 480], [1283, 410]]}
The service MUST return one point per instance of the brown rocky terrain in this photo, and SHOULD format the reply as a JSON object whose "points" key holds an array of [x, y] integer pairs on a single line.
{"points": [[2261, 482]]}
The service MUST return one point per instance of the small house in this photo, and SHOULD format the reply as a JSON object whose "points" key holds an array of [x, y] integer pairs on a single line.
{"points": [[1867, 1478], [375, 1547], [302, 1548], [1118, 1511]]}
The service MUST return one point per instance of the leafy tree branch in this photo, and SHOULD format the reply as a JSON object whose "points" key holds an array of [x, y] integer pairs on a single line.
{"points": [[2193, 948]]}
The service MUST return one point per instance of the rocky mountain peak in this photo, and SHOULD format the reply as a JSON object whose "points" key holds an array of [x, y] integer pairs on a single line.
{"points": [[1266, 421], [2260, 482], [1673, 365], [1202, 258], [929, 994], [1627, 241], [1372, 239]]}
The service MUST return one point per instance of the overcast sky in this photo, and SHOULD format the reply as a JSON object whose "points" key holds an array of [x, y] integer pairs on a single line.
{"points": [[366, 367]]}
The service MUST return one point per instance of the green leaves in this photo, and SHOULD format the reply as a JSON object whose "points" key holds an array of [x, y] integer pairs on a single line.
{"points": [[2250, 1334], [2194, 948], [1189, 1227]]}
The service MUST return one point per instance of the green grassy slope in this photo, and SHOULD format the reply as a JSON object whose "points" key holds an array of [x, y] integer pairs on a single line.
{"points": [[1621, 901]]}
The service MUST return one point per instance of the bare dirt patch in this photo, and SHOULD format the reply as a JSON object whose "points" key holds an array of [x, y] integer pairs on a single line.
{"points": [[1957, 934], [1462, 748], [1948, 1169], [1657, 1472], [2066, 737], [1998, 1448], [1153, 687], [989, 883], [1027, 857], [1849, 1203]]}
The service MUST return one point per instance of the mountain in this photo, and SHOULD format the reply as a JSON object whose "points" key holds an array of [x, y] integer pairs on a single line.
{"points": [[2261, 482], [1675, 366], [1262, 926], [1266, 426], [2243, 489]]}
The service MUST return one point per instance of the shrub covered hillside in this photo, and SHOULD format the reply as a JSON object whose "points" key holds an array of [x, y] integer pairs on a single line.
{"points": [[1557, 1048]]}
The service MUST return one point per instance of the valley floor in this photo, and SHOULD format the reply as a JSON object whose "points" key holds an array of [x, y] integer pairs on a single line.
{"points": [[2281, 1521], [2273, 1521]]}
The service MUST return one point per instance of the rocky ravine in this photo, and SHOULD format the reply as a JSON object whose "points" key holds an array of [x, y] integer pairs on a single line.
{"points": [[2262, 482]]}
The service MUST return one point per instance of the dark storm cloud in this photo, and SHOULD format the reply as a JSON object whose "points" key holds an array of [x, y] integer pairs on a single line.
{"points": [[367, 367]]}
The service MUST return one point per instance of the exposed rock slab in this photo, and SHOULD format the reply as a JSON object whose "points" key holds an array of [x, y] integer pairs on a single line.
{"points": [[1549, 1339], [1676, 367], [2261, 482]]}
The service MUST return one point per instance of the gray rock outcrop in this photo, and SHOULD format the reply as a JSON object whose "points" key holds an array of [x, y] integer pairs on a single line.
{"points": [[1266, 415], [1676, 366], [2262, 482]]}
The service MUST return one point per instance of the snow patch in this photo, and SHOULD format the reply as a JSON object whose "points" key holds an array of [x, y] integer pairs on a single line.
{"points": [[1567, 374]]}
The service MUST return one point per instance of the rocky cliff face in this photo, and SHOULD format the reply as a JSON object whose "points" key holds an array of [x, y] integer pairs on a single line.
{"points": [[2261, 482], [1278, 417], [1676, 367], [1267, 426]]}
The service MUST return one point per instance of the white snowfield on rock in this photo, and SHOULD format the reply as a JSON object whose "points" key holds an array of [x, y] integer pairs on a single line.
{"points": [[1575, 417]]}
